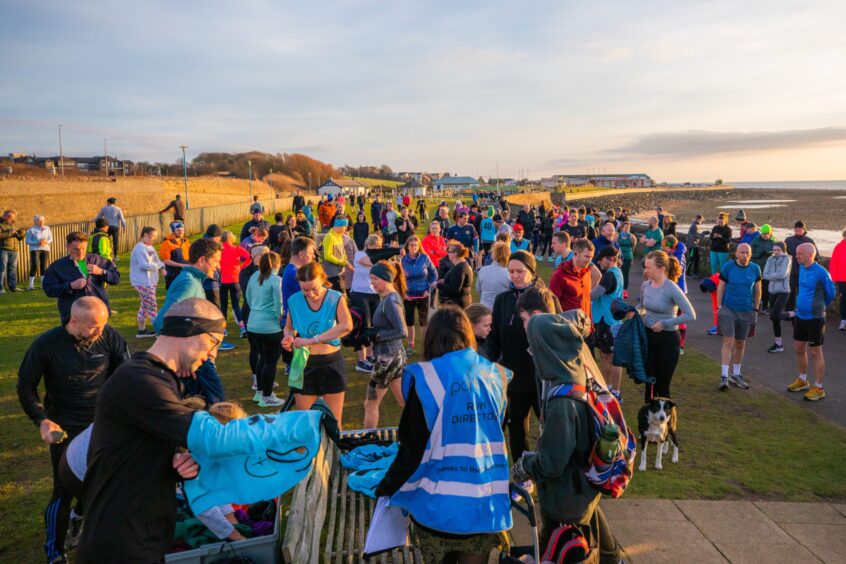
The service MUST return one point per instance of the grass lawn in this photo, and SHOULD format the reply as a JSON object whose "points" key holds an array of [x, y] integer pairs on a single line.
{"points": [[752, 445]]}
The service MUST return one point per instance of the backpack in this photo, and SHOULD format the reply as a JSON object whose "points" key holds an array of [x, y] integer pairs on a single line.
{"points": [[356, 336], [610, 478], [566, 544]]}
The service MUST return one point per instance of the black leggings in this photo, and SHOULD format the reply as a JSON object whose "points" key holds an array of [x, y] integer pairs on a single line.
{"points": [[777, 310], [693, 261], [38, 262], [269, 351], [254, 352], [231, 291], [57, 514], [519, 406], [627, 266], [841, 287], [545, 244], [661, 360]]}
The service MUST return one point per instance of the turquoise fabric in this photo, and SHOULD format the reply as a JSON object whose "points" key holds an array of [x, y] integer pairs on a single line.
{"points": [[601, 308], [309, 323], [265, 301]]}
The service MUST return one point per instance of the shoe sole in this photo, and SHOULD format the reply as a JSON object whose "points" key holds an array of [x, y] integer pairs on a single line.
{"points": [[818, 398], [776, 351], [359, 369], [802, 389], [723, 388]]}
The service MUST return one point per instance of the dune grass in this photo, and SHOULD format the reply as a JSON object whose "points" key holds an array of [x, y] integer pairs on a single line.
{"points": [[753, 445]]}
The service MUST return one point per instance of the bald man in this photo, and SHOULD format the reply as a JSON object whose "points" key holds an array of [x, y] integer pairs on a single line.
{"points": [[140, 421], [74, 360], [814, 292], [738, 303]]}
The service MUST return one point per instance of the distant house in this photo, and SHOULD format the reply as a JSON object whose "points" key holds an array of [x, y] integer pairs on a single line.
{"points": [[414, 188], [345, 186], [418, 176], [455, 183], [638, 180]]}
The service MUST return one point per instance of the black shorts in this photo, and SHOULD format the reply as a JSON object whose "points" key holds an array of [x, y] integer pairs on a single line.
{"points": [[420, 305], [487, 247], [603, 339], [324, 374], [811, 331]]}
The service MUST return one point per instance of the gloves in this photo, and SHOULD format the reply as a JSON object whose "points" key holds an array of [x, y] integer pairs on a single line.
{"points": [[519, 475]]}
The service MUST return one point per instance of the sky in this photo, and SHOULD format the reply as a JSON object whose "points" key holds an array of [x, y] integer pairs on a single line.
{"points": [[683, 91]]}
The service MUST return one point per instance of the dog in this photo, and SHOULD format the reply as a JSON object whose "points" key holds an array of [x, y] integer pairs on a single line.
{"points": [[656, 422]]}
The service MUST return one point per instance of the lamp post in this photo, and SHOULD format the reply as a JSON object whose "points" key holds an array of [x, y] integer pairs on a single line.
{"points": [[61, 153], [106, 157], [271, 178], [250, 167], [185, 173]]}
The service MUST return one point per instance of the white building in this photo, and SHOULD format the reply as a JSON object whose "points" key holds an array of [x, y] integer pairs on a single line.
{"points": [[345, 186], [455, 184]]}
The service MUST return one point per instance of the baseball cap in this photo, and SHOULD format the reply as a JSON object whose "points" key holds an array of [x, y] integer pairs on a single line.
{"points": [[518, 227]]}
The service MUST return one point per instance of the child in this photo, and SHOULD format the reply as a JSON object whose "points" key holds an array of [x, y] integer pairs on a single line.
{"points": [[481, 319]]}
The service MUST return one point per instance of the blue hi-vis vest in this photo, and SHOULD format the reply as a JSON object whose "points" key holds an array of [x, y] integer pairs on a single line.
{"points": [[601, 308], [252, 459], [521, 245], [461, 485], [487, 230], [308, 322]]}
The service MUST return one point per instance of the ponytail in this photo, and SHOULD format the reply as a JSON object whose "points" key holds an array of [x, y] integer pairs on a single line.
{"points": [[674, 269], [268, 263], [669, 264]]}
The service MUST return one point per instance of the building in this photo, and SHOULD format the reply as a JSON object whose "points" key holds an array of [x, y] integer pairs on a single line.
{"points": [[418, 176], [455, 184], [414, 188], [345, 186], [638, 180]]}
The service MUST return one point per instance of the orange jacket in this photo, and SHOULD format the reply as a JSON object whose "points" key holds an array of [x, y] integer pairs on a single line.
{"points": [[326, 213]]}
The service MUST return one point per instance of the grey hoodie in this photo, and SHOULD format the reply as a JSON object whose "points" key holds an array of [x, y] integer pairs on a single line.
{"points": [[777, 272], [561, 357]]}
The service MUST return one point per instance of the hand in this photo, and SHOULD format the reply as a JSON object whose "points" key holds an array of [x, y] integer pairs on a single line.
{"points": [[657, 327], [185, 465], [631, 315], [287, 342], [303, 342], [95, 270], [48, 428], [79, 283]]}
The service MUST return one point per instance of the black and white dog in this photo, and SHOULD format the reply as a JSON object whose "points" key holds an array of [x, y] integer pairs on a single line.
{"points": [[656, 422]]}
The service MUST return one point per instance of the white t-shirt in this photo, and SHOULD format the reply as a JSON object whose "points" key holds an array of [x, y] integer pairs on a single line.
{"points": [[361, 275]]}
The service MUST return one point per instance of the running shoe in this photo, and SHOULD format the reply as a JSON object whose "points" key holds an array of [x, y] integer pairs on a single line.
{"points": [[271, 401], [842, 326], [74, 530], [815, 393], [226, 346], [61, 559], [2, 291], [618, 395], [145, 334], [737, 380], [363, 366], [681, 351], [528, 486], [798, 385], [18, 290], [243, 334], [713, 331], [775, 349], [409, 351], [255, 384], [551, 259], [625, 294], [257, 397], [724, 383]]}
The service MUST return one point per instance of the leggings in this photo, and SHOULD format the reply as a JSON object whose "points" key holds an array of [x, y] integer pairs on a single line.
{"points": [[545, 244], [269, 349], [627, 265], [57, 514], [718, 259], [38, 263], [765, 292], [148, 308], [254, 352], [776, 311], [841, 287], [231, 291], [693, 261], [661, 360], [519, 406]]}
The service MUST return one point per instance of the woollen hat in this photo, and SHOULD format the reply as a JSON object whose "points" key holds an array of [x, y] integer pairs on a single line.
{"points": [[766, 228], [741, 216], [526, 258]]}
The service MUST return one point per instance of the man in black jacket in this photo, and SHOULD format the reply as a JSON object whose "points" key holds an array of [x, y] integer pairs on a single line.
{"points": [[74, 360], [78, 274], [299, 202]]}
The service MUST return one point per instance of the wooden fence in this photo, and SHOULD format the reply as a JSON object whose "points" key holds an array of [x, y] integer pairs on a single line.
{"points": [[196, 221]]}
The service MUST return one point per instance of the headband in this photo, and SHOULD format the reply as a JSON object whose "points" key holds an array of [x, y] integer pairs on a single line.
{"points": [[383, 272], [341, 222], [186, 326]]}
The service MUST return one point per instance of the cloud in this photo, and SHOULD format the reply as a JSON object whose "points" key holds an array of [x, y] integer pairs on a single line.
{"points": [[697, 143]]}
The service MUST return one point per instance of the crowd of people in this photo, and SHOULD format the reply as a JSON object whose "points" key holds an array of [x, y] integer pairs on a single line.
{"points": [[324, 278]]}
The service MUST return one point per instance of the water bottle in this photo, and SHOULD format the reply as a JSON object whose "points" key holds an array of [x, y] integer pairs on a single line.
{"points": [[609, 442]]}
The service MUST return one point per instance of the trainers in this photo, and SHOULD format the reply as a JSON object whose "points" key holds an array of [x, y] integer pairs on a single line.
{"points": [[842, 326], [409, 351], [243, 334], [145, 334], [270, 401], [625, 294], [257, 397], [681, 351], [775, 349], [737, 380], [226, 346], [815, 393], [74, 530], [799, 385], [2, 291], [255, 384], [363, 366], [713, 331], [528, 486], [724, 383], [18, 290], [61, 559]]}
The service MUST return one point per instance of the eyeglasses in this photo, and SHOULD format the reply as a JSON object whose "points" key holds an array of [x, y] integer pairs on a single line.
{"points": [[215, 341]]}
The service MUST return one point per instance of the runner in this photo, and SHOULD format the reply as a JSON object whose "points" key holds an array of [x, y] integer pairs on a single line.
{"points": [[720, 239], [837, 267], [361, 230], [243, 281], [487, 236], [547, 229], [572, 281], [421, 277], [387, 334], [662, 299], [651, 240], [464, 233], [519, 243], [692, 243], [318, 318], [610, 288], [257, 222], [334, 255], [115, 220], [364, 298], [144, 269], [800, 236], [78, 274], [232, 259], [74, 360], [178, 207], [739, 299], [607, 238], [815, 292], [573, 228], [298, 202], [454, 287], [561, 248], [493, 279], [39, 238], [481, 319], [777, 275], [442, 218], [174, 252], [627, 245], [762, 248], [264, 294], [99, 241]]}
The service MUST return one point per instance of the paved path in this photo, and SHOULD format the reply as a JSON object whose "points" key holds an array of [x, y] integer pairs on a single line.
{"points": [[705, 532], [760, 367]]}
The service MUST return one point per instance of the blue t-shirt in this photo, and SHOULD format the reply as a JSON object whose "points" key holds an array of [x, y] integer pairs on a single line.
{"points": [[465, 235], [290, 286], [488, 230], [559, 259], [814, 292], [740, 284]]}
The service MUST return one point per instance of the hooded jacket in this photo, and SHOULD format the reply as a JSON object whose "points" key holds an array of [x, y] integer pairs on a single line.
{"points": [[565, 441], [420, 274], [630, 346], [777, 273], [507, 343]]}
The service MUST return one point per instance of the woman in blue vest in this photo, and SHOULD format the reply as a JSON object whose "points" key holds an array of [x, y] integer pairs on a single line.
{"points": [[451, 471], [610, 288], [317, 319]]}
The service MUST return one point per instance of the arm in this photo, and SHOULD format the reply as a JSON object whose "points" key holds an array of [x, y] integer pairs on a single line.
{"points": [[121, 219], [328, 255], [595, 275], [561, 422], [597, 292], [276, 289], [111, 275], [119, 352], [29, 376], [413, 436], [396, 320], [31, 237], [493, 343], [756, 295], [721, 290], [829, 288], [53, 285], [170, 206], [688, 313]]}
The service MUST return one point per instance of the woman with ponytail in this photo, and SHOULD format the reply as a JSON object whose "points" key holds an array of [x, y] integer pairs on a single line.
{"points": [[264, 295], [387, 334], [661, 298]]}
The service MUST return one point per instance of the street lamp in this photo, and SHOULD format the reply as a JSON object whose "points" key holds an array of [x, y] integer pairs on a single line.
{"points": [[185, 173], [61, 153], [250, 167], [106, 157]]}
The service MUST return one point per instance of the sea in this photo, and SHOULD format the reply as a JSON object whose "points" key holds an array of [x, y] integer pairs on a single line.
{"points": [[794, 185]]}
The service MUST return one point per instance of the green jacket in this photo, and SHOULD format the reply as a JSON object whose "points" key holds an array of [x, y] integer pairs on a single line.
{"points": [[761, 250], [9, 236], [565, 441]]}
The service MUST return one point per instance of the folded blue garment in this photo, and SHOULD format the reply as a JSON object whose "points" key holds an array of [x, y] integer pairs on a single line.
{"points": [[370, 457]]}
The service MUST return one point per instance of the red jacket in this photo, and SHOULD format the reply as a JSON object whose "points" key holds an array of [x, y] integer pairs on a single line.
{"points": [[837, 265], [572, 287], [435, 247], [232, 258]]}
